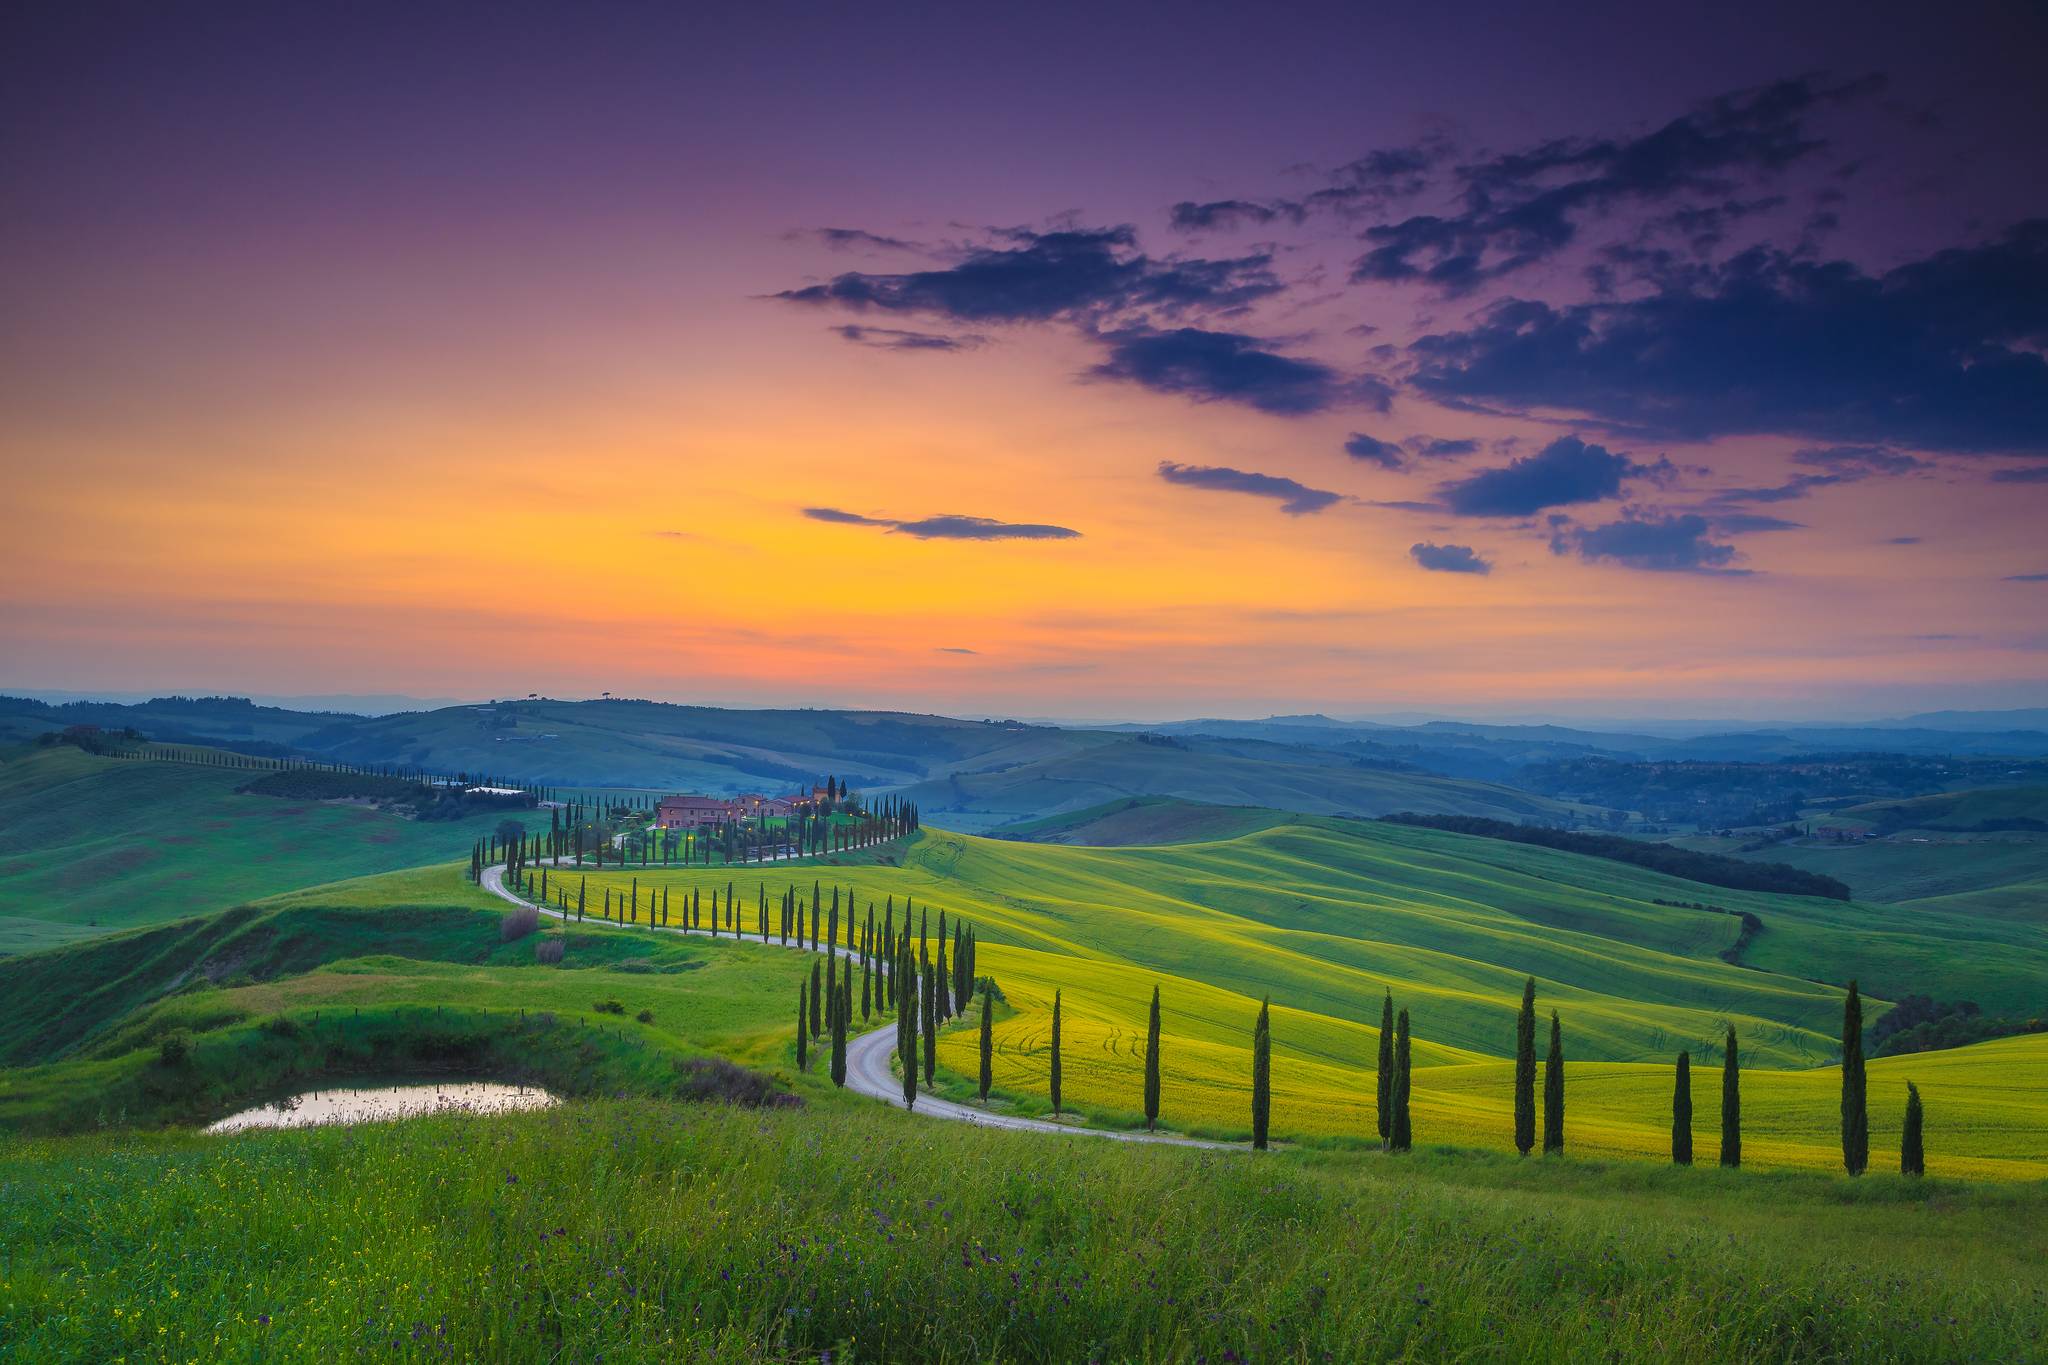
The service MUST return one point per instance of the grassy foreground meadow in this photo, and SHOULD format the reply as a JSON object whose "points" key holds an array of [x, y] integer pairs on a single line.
{"points": [[636, 1231]]}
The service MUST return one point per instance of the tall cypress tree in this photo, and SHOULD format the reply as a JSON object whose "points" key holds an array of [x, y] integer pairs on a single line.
{"points": [[1681, 1112], [931, 1021], [906, 1025], [942, 980], [817, 1005], [988, 1039], [1401, 1136], [841, 1007], [1731, 1102], [1525, 1070], [1383, 1098], [803, 1033], [1855, 1107], [1055, 1054], [1262, 1074], [866, 975], [1152, 1064], [1912, 1154], [1553, 1089]]}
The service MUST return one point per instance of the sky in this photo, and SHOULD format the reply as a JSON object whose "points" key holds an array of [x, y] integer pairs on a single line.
{"points": [[1059, 361]]}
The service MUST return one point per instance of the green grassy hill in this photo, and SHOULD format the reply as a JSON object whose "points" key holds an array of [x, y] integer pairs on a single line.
{"points": [[1216, 772], [91, 844], [1322, 915], [1145, 820], [1979, 810]]}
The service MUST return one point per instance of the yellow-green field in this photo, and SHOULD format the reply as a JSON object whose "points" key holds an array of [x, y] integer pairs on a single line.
{"points": [[1325, 915]]}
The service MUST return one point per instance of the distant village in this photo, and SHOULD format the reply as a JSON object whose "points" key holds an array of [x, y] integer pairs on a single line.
{"points": [[701, 812]]}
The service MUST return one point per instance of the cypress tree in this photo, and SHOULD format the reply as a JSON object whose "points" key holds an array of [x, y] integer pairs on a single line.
{"points": [[1383, 1099], [1262, 1074], [817, 1006], [1681, 1112], [988, 1039], [1912, 1155], [1553, 1089], [1525, 1070], [803, 1033], [1402, 1136], [1152, 1064], [906, 1027], [1731, 1102], [1855, 1109], [866, 972], [931, 1021], [1055, 1054], [942, 980], [840, 1008]]}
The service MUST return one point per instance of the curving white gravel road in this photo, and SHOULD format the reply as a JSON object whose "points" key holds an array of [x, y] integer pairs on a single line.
{"points": [[867, 1055]]}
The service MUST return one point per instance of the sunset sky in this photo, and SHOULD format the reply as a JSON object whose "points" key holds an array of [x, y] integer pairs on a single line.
{"points": [[1186, 360]]}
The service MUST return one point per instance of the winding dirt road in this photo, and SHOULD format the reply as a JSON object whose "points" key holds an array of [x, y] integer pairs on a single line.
{"points": [[867, 1055]]}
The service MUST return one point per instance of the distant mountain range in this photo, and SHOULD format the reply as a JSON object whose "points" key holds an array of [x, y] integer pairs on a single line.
{"points": [[984, 773]]}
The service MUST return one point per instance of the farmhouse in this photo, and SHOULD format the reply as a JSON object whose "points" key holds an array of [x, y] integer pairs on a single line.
{"points": [[693, 812]]}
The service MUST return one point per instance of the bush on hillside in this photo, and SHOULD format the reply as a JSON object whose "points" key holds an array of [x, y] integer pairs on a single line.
{"points": [[1712, 868], [518, 923], [548, 952]]}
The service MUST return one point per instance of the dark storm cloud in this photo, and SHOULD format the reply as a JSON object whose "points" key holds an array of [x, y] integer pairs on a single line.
{"points": [[1903, 540], [1076, 275], [1373, 450], [2027, 578], [1861, 461], [1943, 354], [1522, 207], [949, 526], [901, 339], [1449, 558], [1440, 448], [1230, 367], [1647, 540], [847, 239], [1295, 499], [2029, 474], [1748, 523], [1566, 471], [1225, 214]]}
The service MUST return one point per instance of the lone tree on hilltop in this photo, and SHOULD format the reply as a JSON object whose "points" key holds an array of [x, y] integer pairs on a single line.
{"points": [[1383, 1098], [1681, 1112], [1553, 1089], [1525, 1070], [1262, 1075], [1731, 1102], [1855, 1107], [1152, 1064], [1912, 1155]]}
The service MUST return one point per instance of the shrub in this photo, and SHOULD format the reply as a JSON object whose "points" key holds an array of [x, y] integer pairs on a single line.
{"points": [[174, 1049], [714, 1079], [609, 1007], [517, 924], [548, 952], [645, 1016]]}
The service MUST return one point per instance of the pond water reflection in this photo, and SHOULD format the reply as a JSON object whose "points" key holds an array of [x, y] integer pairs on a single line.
{"points": [[372, 1104]]}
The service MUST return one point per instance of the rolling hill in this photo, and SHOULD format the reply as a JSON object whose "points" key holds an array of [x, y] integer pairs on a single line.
{"points": [[90, 844], [1213, 771], [1322, 915]]}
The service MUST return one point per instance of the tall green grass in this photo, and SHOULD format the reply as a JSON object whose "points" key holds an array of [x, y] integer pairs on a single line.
{"points": [[638, 1231]]}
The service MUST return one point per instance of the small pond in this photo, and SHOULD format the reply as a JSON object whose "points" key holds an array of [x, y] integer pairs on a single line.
{"points": [[376, 1103]]}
